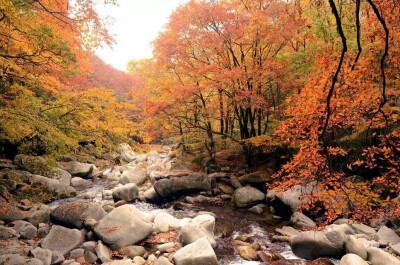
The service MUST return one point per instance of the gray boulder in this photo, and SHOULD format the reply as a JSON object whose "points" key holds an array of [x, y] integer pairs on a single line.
{"points": [[201, 226], [74, 214], [163, 221], [102, 252], [123, 226], [62, 239], [75, 168], [25, 230], [42, 254], [316, 244], [199, 252], [354, 246], [363, 229], [301, 221], [137, 176], [60, 175], [9, 213], [388, 235], [352, 259], [16, 259], [39, 216], [287, 202], [7, 233], [377, 256], [127, 192], [53, 185], [195, 182], [247, 196], [77, 181], [132, 251], [126, 153]]}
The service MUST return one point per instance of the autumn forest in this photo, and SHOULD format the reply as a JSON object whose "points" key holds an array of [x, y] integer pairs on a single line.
{"points": [[282, 94]]}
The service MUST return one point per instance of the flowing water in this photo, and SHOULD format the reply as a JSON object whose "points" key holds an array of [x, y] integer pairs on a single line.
{"points": [[230, 223]]}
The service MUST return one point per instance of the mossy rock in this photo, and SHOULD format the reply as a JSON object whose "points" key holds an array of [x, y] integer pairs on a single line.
{"points": [[256, 177], [33, 164]]}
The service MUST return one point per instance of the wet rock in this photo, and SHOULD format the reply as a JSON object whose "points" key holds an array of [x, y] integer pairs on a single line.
{"points": [[74, 214], [354, 246], [132, 251], [199, 252], [248, 253], [53, 185], [352, 259], [102, 252], [120, 222], [25, 230], [163, 221], [258, 209], [198, 227], [247, 196], [301, 221], [316, 244], [377, 256], [62, 239], [7, 233], [77, 181], [162, 261], [42, 254], [195, 182], [151, 194], [75, 168], [9, 213], [225, 188], [137, 176], [363, 229], [388, 235], [127, 192]]}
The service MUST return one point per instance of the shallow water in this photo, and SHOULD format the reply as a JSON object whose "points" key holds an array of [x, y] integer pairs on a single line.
{"points": [[230, 223]]}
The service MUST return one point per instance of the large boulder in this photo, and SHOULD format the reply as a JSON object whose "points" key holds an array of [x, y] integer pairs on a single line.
{"points": [[199, 252], [53, 185], [195, 182], [62, 239], [352, 259], [164, 221], [137, 176], [354, 246], [247, 197], [25, 230], [74, 214], [388, 235], [33, 164], [16, 259], [39, 216], [287, 202], [127, 192], [256, 177], [123, 226], [198, 227], [59, 174], [377, 256], [126, 153], [9, 213], [301, 221], [316, 244], [83, 170], [363, 229]]}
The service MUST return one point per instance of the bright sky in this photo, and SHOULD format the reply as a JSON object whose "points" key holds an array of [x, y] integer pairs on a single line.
{"points": [[136, 24]]}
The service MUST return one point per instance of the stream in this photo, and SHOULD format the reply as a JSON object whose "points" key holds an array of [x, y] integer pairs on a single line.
{"points": [[230, 223]]}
